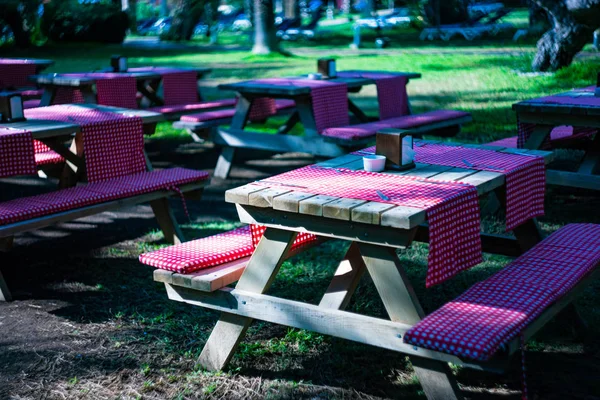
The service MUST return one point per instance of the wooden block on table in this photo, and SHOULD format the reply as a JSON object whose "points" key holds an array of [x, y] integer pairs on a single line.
{"points": [[341, 208], [314, 205]]}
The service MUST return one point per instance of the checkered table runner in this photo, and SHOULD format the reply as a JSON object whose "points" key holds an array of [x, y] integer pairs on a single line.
{"points": [[525, 175], [525, 130], [16, 153], [391, 92], [329, 100], [14, 74], [452, 209], [113, 144]]}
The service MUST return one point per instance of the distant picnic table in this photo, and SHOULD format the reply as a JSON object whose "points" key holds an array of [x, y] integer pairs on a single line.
{"points": [[578, 108]]}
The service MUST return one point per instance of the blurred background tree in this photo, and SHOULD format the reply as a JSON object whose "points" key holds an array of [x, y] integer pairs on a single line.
{"points": [[22, 18]]}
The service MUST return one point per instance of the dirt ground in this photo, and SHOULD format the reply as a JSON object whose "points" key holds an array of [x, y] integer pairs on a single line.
{"points": [[89, 322]]}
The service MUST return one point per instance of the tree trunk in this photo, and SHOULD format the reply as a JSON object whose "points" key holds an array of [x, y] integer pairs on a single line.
{"points": [[291, 9], [164, 8], [265, 39], [573, 24], [186, 15], [538, 19], [130, 7]]}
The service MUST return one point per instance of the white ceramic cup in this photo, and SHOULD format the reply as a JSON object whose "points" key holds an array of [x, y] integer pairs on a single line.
{"points": [[315, 76], [374, 163]]}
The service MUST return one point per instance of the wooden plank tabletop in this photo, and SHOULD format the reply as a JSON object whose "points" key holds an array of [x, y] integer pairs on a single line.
{"points": [[200, 71], [76, 81], [375, 213], [36, 61], [409, 75]]}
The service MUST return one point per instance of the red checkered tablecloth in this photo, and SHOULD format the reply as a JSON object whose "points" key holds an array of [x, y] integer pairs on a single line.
{"points": [[113, 144], [112, 89], [16, 153], [452, 209], [391, 92], [525, 175]]}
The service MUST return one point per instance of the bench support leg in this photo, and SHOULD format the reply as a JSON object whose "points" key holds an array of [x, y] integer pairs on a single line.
{"points": [[166, 220], [224, 163], [346, 279], [402, 305], [258, 276], [571, 316], [4, 292]]}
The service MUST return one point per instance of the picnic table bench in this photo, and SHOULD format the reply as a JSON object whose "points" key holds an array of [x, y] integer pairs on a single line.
{"points": [[579, 109], [322, 107], [288, 217], [107, 151]]}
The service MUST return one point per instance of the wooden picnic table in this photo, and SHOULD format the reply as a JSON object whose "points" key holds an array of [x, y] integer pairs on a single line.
{"points": [[578, 109], [304, 114], [54, 134], [148, 82], [41, 64], [375, 229]]}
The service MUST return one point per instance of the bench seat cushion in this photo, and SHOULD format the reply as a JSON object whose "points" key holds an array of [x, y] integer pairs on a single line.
{"points": [[491, 313], [48, 157], [362, 131], [205, 105], [26, 208], [280, 104], [202, 253]]}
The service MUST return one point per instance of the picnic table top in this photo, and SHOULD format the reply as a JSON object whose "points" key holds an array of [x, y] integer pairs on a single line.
{"points": [[76, 81], [253, 87], [41, 129], [368, 212], [575, 102], [37, 61]]}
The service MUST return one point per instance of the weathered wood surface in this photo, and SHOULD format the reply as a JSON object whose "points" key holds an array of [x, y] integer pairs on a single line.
{"points": [[298, 200]]}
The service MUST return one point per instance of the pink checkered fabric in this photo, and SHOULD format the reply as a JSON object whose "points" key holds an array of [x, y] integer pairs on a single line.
{"points": [[48, 158], [329, 100], [34, 103], [28, 94], [16, 153], [452, 209], [480, 321], [262, 108], [230, 112], [525, 176], [370, 129], [93, 193], [117, 91], [391, 92], [65, 95], [179, 87], [202, 253], [113, 144], [205, 105], [302, 238], [561, 135], [493, 312], [15, 75]]}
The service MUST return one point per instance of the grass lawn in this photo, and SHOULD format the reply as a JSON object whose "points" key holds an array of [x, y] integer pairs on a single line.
{"points": [[92, 324]]}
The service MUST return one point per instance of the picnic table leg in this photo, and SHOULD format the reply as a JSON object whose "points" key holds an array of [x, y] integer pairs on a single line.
{"points": [[357, 112], [72, 172], [402, 305], [257, 278], [346, 278], [591, 160], [149, 89], [4, 292], [538, 136], [240, 118], [289, 124], [166, 220], [48, 96], [307, 118]]}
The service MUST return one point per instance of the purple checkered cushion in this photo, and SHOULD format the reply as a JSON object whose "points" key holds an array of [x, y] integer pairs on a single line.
{"points": [[494, 311], [362, 131]]}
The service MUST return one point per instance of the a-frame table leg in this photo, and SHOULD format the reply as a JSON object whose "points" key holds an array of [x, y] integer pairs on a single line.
{"points": [[4, 291], [225, 161], [258, 276], [346, 278], [402, 305]]}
